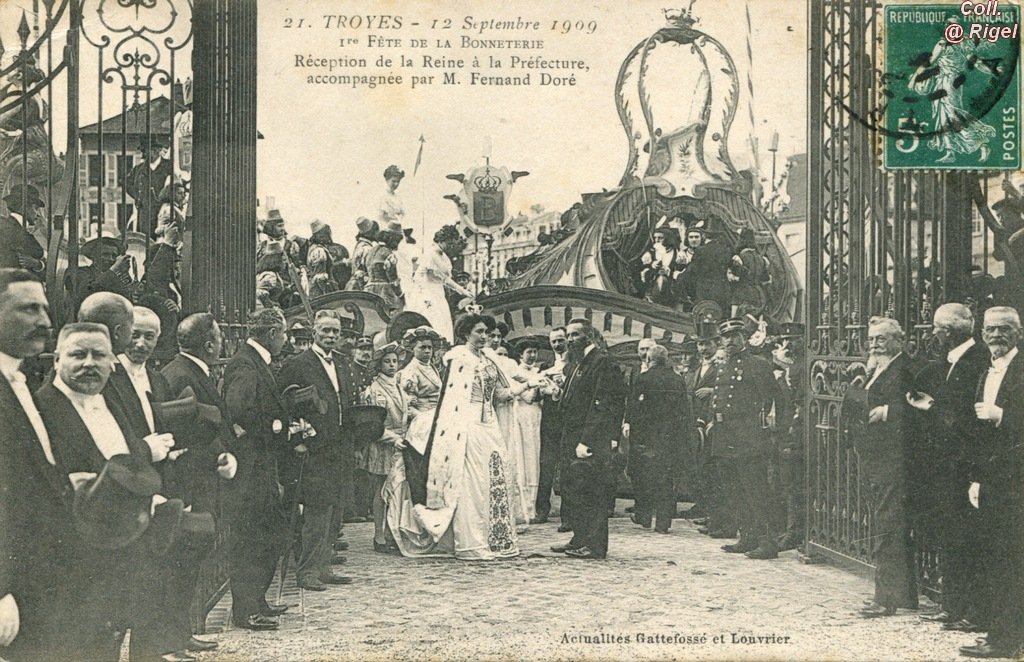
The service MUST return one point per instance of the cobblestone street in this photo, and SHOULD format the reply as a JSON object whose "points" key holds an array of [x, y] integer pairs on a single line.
{"points": [[644, 601]]}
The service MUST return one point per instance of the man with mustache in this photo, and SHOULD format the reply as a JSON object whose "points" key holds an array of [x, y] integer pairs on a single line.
{"points": [[996, 491], [36, 531], [882, 446], [87, 429], [550, 432], [947, 387]]}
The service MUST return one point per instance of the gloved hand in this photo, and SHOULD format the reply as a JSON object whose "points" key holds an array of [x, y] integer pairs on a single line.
{"points": [[583, 452], [227, 466]]}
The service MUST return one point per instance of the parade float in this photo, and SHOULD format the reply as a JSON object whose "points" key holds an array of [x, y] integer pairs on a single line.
{"points": [[676, 94]]}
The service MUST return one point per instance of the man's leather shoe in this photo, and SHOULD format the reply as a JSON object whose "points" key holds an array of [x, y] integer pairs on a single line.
{"points": [[385, 548], [582, 553], [257, 622], [560, 549], [739, 548], [699, 521], [198, 645], [963, 625], [876, 611], [720, 534], [983, 649], [630, 509], [939, 617], [179, 656], [354, 519], [340, 545], [271, 611], [564, 529], [539, 520], [763, 552], [338, 559], [336, 580], [703, 529], [660, 530], [636, 520], [312, 585]]}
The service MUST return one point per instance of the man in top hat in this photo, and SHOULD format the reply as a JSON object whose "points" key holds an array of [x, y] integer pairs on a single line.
{"points": [[357, 373], [636, 475], [260, 418], [592, 407], [321, 464], [365, 240], [110, 271], [700, 383], [660, 427], [19, 249], [745, 392], [36, 532], [706, 279], [88, 428], [384, 280]]}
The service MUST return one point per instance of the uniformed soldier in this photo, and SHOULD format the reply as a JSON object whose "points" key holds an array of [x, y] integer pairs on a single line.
{"points": [[358, 373], [745, 392]]}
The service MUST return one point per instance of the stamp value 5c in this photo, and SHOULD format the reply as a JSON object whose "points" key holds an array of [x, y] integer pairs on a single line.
{"points": [[953, 86]]}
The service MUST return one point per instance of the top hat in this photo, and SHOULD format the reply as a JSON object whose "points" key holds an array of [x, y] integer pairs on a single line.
{"points": [[186, 411], [299, 331], [112, 510], [366, 422], [316, 226], [732, 325], [29, 193], [707, 330], [91, 248], [688, 347], [366, 226], [171, 526], [304, 400]]}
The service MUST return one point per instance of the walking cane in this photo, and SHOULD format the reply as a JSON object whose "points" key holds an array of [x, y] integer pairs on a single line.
{"points": [[292, 521]]}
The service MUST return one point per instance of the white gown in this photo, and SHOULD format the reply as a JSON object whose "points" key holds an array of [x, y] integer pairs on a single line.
{"points": [[468, 512], [526, 416], [426, 294]]}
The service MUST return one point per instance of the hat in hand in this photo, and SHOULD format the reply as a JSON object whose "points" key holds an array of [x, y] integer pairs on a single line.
{"points": [[366, 423], [304, 400], [112, 510]]}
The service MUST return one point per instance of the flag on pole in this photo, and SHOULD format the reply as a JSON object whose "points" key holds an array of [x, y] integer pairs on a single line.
{"points": [[419, 156]]}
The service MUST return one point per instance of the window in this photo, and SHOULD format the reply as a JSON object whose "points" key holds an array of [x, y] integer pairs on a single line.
{"points": [[977, 224], [95, 171]]}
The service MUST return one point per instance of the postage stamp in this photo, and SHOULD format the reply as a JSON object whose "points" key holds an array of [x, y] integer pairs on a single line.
{"points": [[952, 76]]}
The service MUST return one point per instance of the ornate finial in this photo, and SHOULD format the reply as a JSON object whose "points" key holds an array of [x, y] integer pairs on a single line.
{"points": [[682, 18], [23, 30]]}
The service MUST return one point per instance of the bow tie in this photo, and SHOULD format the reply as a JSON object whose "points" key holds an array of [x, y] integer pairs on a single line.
{"points": [[325, 359]]}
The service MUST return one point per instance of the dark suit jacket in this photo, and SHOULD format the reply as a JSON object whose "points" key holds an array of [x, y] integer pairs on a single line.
{"points": [[702, 408], [121, 392], [998, 459], [37, 537], [659, 417], [194, 477], [331, 446], [254, 404], [593, 404], [706, 275], [15, 241], [883, 445]]}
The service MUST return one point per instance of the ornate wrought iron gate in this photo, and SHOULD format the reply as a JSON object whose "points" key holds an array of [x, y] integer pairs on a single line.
{"points": [[879, 243]]}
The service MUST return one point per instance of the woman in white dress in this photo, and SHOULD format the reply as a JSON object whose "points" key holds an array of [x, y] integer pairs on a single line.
{"points": [[526, 417], [426, 295], [465, 509]]}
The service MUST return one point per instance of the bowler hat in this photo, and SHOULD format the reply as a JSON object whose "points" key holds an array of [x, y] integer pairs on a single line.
{"points": [[366, 422], [732, 325], [91, 248], [112, 510], [26, 192], [304, 400]]}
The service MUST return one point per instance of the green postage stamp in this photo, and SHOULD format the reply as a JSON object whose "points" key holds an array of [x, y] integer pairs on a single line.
{"points": [[952, 86]]}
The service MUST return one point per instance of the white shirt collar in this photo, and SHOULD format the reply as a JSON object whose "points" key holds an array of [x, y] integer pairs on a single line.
{"points": [[260, 349], [321, 353], [79, 400], [999, 365], [10, 367], [199, 362], [18, 217], [957, 352], [133, 368], [589, 349]]}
